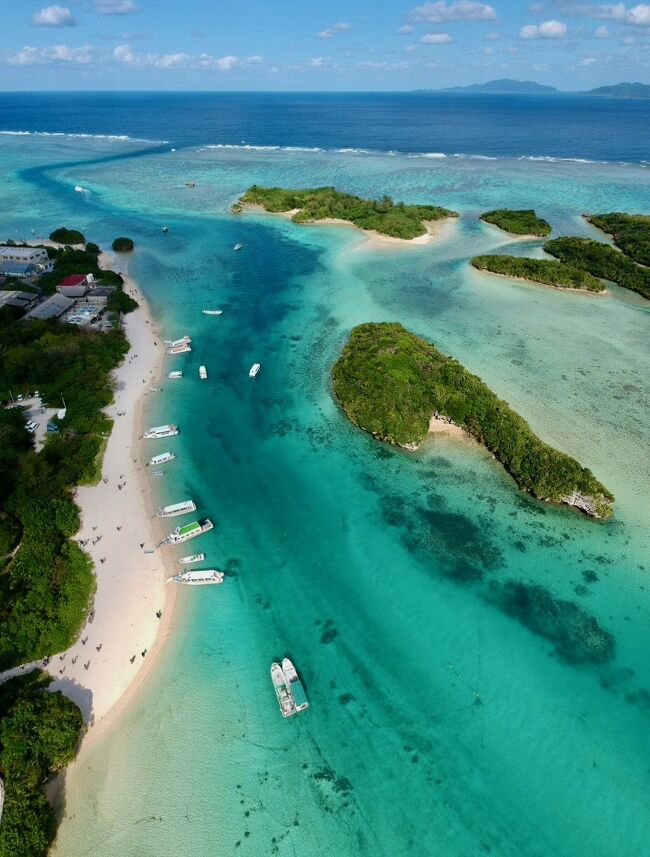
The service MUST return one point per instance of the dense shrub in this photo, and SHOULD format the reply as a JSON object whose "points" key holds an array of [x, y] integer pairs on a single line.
{"points": [[64, 235], [123, 245]]}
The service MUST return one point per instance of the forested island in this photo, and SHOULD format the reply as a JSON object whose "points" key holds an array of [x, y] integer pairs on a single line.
{"points": [[395, 219], [601, 260], [548, 272], [518, 221], [389, 382], [631, 232]]}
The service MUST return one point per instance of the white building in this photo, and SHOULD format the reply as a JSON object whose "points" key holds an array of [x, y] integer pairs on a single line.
{"points": [[26, 255]]}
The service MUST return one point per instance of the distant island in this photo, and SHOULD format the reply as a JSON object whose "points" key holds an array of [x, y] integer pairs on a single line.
{"points": [[508, 86], [390, 382], [518, 222], [328, 205]]}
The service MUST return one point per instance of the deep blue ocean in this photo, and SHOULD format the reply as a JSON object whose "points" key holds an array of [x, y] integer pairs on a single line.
{"points": [[477, 662], [566, 126]]}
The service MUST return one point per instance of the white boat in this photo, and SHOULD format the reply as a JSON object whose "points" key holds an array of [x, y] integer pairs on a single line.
{"points": [[166, 228], [189, 531], [255, 368], [175, 375], [176, 509], [294, 685], [198, 578], [203, 373], [161, 459], [155, 389], [79, 189], [172, 342], [285, 700], [193, 557], [179, 349], [160, 431], [237, 247], [212, 311]]}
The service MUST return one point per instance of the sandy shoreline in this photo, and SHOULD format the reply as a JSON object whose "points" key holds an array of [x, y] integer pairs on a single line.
{"points": [[373, 238], [117, 528]]}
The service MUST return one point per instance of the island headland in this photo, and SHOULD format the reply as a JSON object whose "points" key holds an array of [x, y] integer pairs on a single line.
{"points": [[389, 382], [326, 205]]}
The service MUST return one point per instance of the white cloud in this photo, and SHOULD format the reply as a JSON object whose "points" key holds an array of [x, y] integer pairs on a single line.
{"points": [[405, 30], [383, 65], [54, 54], [409, 49], [587, 61], [53, 16], [547, 30], [436, 39], [441, 12], [601, 33], [316, 62], [330, 32], [125, 54], [256, 59], [638, 15], [115, 7]]}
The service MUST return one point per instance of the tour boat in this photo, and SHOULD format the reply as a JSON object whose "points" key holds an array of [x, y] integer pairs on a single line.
{"points": [[285, 700], [160, 431], [255, 368], [173, 342], [179, 349], [189, 531], [294, 685], [162, 458], [175, 375], [198, 578], [237, 247], [203, 373], [193, 557], [176, 509], [212, 311]]}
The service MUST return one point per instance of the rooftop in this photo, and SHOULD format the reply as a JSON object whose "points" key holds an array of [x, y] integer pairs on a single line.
{"points": [[74, 280], [51, 308]]}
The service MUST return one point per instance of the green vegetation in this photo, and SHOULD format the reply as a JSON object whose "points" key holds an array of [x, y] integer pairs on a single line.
{"points": [[122, 245], [389, 382], [602, 261], [631, 232], [384, 216], [39, 734], [522, 222], [46, 587], [67, 236], [546, 271]]}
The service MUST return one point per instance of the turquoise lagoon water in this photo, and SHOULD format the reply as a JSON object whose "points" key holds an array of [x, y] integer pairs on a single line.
{"points": [[477, 662]]}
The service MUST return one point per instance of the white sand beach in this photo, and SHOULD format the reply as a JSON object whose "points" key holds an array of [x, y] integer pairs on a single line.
{"points": [[132, 606]]}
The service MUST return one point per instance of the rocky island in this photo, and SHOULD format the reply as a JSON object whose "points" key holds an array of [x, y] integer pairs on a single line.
{"points": [[389, 382], [328, 205], [522, 222]]}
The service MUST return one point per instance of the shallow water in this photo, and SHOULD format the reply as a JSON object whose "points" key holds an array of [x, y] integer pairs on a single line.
{"points": [[476, 661]]}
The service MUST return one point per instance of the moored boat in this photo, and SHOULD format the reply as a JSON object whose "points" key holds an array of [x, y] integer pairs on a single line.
{"points": [[285, 700], [161, 431], [176, 509], [212, 312], [294, 685], [162, 458], [189, 531], [193, 557], [255, 368], [185, 348], [203, 373], [181, 341], [174, 376], [198, 578], [237, 247]]}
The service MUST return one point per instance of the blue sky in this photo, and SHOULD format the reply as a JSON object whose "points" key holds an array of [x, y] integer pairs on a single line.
{"points": [[309, 45]]}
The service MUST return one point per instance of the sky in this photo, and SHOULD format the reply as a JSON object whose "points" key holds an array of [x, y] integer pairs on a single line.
{"points": [[310, 45]]}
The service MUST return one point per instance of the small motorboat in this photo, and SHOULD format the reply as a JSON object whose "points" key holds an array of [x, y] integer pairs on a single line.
{"points": [[237, 247], [165, 229], [255, 368], [212, 311]]}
